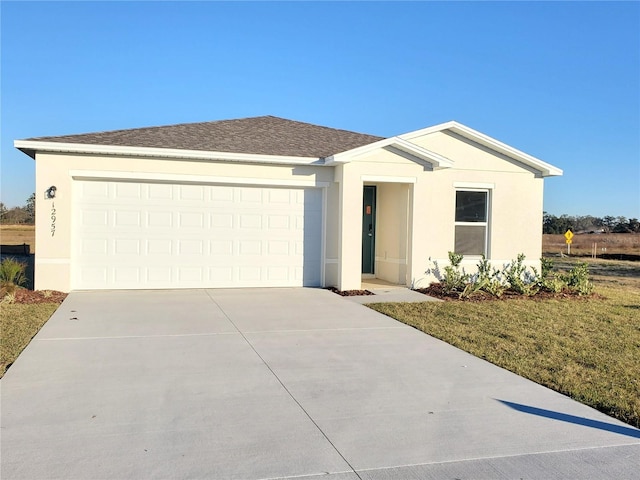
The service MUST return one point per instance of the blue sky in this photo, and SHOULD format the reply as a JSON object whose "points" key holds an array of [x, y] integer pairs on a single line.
{"points": [[560, 81]]}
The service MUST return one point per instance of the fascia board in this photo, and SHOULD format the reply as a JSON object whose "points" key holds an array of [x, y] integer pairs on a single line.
{"points": [[438, 161], [426, 131], [345, 157], [27, 146], [433, 158], [546, 169]]}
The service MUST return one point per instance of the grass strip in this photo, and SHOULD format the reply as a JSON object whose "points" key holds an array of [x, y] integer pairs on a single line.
{"points": [[587, 349], [18, 325]]}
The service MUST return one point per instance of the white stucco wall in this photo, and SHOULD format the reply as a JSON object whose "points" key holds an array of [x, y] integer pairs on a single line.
{"points": [[392, 232], [515, 224], [415, 205], [54, 252]]}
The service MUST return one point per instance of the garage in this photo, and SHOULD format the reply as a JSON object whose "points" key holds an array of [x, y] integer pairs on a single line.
{"points": [[149, 235]]}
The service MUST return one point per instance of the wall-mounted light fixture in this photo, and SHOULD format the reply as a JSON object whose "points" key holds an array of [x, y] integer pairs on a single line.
{"points": [[50, 192]]}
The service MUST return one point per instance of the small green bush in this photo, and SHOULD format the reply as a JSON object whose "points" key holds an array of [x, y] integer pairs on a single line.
{"points": [[488, 279], [519, 279], [577, 279], [13, 272], [514, 276], [455, 279]]}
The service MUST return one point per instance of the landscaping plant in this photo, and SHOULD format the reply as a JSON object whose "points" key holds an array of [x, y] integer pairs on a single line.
{"points": [[514, 277], [12, 275]]}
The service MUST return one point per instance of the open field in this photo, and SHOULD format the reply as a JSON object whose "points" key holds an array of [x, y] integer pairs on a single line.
{"points": [[18, 234], [586, 348], [582, 244]]}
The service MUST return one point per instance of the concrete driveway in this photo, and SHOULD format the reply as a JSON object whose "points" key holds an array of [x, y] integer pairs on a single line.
{"points": [[280, 383]]}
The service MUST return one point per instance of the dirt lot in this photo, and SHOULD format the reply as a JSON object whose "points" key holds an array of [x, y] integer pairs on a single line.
{"points": [[583, 244], [18, 234]]}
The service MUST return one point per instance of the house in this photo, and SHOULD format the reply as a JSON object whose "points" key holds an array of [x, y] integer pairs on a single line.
{"points": [[270, 202]]}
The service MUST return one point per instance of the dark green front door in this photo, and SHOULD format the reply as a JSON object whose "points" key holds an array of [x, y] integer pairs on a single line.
{"points": [[368, 229]]}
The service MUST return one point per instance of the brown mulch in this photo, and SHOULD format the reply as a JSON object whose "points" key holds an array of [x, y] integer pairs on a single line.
{"points": [[350, 293], [25, 296], [436, 290]]}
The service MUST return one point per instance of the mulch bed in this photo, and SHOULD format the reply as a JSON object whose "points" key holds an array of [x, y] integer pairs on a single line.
{"points": [[436, 290], [350, 293], [25, 296]]}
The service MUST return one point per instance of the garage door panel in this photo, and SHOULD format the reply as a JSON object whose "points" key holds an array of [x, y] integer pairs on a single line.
{"points": [[158, 275], [130, 235]]}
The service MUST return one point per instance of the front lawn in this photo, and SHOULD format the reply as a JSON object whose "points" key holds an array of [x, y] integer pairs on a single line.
{"points": [[587, 348], [21, 318]]}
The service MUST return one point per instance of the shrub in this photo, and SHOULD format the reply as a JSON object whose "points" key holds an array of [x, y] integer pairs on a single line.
{"points": [[577, 279], [12, 272], [488, 279], [514, 276], [519, 279], [454, 279], [546, 266]]}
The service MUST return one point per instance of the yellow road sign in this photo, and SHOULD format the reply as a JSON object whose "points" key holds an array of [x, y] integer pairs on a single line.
{"points": [[568, 235], [569, 242]]}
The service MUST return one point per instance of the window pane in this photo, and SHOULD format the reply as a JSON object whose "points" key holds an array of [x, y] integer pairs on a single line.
{"points": [[470, 239], [471, 206]]}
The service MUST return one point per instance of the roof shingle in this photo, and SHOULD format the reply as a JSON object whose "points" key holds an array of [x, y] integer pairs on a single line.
{"points": [[265, 135]]}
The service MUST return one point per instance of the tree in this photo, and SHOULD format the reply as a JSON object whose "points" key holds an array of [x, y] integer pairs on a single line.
{"points": [[634, 225], [15, 216], [30, 208], [609, 223]]}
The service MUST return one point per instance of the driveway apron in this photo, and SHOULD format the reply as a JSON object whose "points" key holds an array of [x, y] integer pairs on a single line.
{"points": [[280, 383]]}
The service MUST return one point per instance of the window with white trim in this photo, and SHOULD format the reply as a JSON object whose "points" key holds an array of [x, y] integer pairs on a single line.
{"points": [[472, 222]]}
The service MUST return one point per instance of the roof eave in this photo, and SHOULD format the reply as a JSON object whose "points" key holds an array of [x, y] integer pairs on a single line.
{"points": [[545, 169], [31, 147], [436, 160]]}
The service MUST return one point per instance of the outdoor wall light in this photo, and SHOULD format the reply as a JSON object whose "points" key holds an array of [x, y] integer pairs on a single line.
{"points": [[50, 192]]}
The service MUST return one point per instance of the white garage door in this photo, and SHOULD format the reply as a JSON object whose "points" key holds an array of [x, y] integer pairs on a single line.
{"points": [[158, 235]]}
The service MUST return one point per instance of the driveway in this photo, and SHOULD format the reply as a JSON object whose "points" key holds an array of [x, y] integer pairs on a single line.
{"points": [[280, 383]]}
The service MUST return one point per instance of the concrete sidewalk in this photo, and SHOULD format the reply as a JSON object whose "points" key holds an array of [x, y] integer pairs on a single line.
{"points": [[388, 292], [281, 383]]}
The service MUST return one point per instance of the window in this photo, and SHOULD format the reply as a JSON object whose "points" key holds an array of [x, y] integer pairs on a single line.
{"points": [[472, 224]]}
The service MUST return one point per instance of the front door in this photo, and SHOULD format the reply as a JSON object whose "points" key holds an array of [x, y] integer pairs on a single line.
{"points": [[368, 229]]}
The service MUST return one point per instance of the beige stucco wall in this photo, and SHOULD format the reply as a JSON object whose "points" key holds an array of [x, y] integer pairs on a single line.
{"points": [[392, 232], [415, 205], [53, 253], [395, 177], [515, 224]]}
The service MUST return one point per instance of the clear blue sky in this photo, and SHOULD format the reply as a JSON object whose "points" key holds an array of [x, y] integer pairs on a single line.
{"points": [[560, 81]]}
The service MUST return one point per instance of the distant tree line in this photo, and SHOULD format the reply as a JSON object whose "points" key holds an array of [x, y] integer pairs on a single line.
{"points": [[25, 215], [588, 223]]}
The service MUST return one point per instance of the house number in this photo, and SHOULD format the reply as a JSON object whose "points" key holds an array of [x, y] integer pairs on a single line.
{"points": [[53, 219]]}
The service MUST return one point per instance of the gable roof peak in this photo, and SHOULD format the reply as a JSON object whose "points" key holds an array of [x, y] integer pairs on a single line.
{"points": [[545, 169]]}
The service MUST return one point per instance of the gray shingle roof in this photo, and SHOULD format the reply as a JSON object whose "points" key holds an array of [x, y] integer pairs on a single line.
{"points": [[257, 135]]}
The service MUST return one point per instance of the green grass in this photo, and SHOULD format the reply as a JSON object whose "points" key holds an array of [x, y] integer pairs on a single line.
{"points": [[18, 325], [586, 348]]}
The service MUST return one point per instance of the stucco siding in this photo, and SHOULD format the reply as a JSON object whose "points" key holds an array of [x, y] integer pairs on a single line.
{"points": [[55, 248], [468, 155], [392, 232], [515, 217], [415, 203]]}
